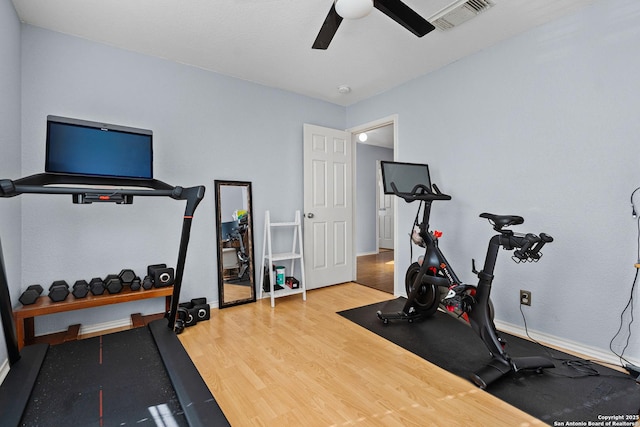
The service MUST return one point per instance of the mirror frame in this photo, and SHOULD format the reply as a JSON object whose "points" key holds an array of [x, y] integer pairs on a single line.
{"points": [[221, 301]]}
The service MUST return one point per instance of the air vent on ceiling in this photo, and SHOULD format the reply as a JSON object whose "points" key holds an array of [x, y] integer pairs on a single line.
{"points": [[459, 12]]}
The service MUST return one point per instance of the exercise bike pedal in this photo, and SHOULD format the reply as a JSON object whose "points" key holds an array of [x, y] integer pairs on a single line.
{"points": [[494, 370]]}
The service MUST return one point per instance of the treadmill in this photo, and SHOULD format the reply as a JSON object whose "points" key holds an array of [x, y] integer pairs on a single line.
{"points": [[144, 375]]}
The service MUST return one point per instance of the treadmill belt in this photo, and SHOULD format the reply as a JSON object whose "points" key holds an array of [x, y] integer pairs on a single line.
{"points": [[113, 380]]}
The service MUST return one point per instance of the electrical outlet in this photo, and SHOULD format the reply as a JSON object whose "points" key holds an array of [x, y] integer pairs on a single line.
{"points": [[525, 297]]}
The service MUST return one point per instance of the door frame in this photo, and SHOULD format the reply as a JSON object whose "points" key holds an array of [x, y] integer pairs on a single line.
{"points": [[388, 120]]}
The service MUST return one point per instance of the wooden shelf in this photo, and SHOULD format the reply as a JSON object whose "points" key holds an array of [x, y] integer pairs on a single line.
{"points": [[24, 315]]}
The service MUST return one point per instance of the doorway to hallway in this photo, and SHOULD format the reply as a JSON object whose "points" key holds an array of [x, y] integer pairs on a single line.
{"points": [[375, 227], [376, 271]]}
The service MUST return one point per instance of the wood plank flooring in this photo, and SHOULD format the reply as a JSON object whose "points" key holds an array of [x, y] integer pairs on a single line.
{"points": [[376, 271], [301, 364]]}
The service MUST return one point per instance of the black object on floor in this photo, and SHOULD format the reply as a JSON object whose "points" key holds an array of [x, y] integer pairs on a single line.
{"points": [[120, 379], [580, 394]]}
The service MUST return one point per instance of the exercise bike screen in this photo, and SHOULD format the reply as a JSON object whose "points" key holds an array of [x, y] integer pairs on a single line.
{"points": [[405, 176]]}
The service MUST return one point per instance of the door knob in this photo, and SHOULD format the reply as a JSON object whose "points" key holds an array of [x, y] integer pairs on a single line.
{"points": [[309, 215]]}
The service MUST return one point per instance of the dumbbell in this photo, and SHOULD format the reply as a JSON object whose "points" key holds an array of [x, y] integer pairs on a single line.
{"points": [[181, 317], [30, 296], [113, 284], [147, 282], [127, 276], [96, 286], [161, 275], [80, 289], [135, 284], [201, 308], [190, 318], [58, 291]]}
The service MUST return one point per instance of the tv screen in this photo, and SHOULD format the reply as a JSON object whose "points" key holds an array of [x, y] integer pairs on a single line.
{"points": [[404, 175], [80, 147]]}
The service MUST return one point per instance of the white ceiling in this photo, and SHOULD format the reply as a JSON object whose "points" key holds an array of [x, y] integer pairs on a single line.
{"points": [[269, 41]]}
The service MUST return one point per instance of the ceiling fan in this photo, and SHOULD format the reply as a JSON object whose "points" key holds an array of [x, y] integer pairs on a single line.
{"points": [[355, 9]]}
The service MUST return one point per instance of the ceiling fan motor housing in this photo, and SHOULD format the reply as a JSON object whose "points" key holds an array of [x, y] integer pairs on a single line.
{"points": [[354, 9]]}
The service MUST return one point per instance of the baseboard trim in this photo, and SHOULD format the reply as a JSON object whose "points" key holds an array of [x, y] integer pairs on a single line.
{"points": [[104, 326], [592, 353], [96, 328], [367, 253]]}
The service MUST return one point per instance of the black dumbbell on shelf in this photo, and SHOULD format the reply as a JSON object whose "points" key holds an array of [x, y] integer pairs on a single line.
{"points": [[147, 283], [113, 283], [80, 289], [59, 291], [30, 295], [161, 275], [96, 286], [128, 278]]}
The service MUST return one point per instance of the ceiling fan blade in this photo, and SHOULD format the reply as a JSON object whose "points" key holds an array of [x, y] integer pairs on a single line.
{"points": [[328, 29], [405, 16]]}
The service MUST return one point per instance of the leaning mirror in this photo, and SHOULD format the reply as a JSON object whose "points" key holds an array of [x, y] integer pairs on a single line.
{"points": [[234, 225]]}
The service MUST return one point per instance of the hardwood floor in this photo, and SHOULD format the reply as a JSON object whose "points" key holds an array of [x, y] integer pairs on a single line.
{"points": [[301, 364], [376, 271]]}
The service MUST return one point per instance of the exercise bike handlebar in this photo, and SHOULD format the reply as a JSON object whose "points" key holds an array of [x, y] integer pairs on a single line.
{"points": [[534, 253], [420, 192], [527, 247], [528, 241]]}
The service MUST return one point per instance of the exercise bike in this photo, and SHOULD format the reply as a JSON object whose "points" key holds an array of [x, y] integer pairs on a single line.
{"points": [[432, 282]]}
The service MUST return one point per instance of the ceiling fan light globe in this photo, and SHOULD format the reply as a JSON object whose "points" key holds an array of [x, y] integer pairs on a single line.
{"points": [[354, 9]]}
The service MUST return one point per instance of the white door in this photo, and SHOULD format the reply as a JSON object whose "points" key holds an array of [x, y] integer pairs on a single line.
{"points": [[328, 211], [385, 216]]}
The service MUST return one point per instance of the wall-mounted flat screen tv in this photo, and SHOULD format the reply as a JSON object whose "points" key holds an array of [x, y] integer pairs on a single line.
{"points": [[81, 147], [405, 176]]}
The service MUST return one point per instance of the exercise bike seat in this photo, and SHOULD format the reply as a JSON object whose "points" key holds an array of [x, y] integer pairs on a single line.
{"points": [[500, 221]]}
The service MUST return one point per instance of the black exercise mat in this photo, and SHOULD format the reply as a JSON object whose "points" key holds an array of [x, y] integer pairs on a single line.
{"points": [[113, 380], [551, 397]]}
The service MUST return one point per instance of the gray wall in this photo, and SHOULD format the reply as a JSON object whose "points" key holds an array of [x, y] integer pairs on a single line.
{"points": [[206, 126], [10, 218], [366, 210], [545, 126]]}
